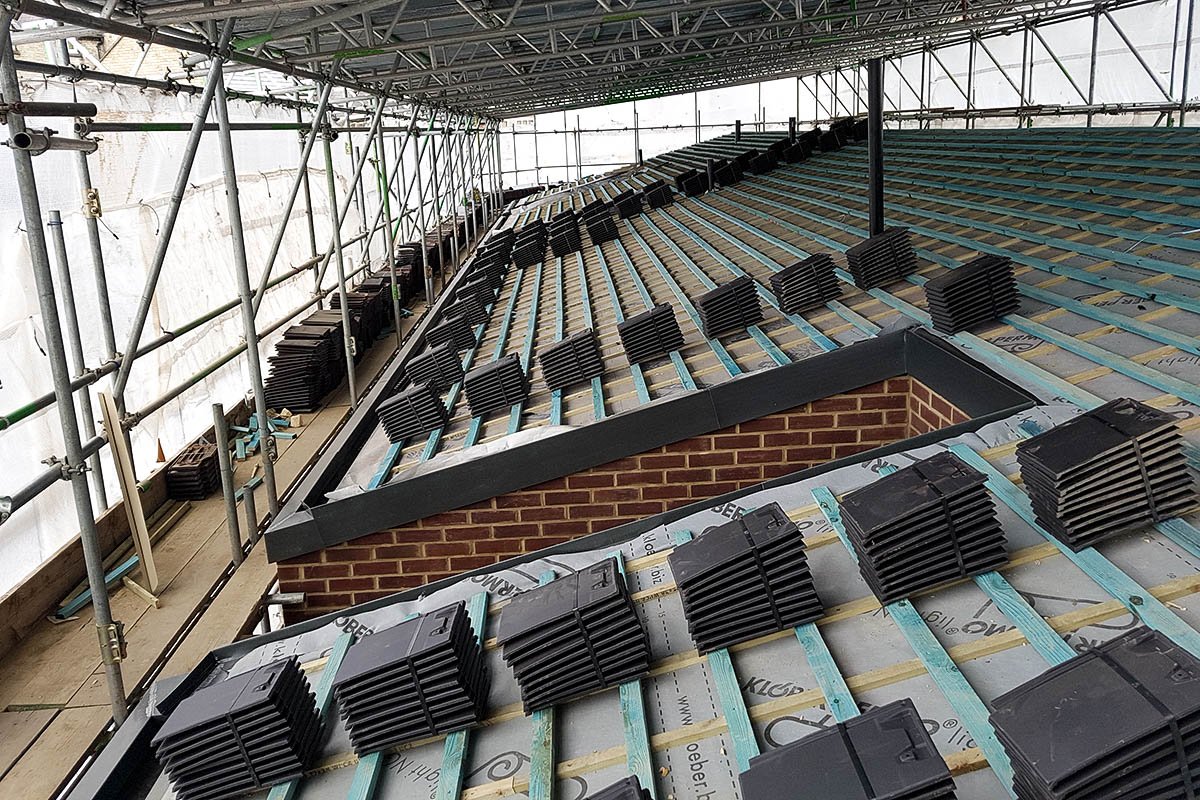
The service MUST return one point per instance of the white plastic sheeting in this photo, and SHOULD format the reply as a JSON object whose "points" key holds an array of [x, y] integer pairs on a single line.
{"points": [[134, 173], [607, 139]]}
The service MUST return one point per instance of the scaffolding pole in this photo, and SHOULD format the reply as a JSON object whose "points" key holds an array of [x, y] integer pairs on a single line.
{"points": [[242, 270], [75, 344], [340, 265], [301, 180], [109, 633]]}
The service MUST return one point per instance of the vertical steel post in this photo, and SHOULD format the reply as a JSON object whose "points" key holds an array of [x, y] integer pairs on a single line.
{"points": [[301, 179], [388, 234], [875, 142], [424, 222], [84, 174], [242, 270], [402, 221], [360, 198], [109, 632], [221, 437], [437, 198], [250, 509], [453, 191], [340, 265], [308, 206], [75, 345], [1187, 63], [1091, 98]]}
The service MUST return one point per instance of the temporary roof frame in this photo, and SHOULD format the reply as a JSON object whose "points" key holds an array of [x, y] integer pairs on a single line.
{"points": [[510, 58]]}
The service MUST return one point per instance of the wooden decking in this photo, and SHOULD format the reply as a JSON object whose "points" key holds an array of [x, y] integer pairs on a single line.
{"points": [[53, 698]]}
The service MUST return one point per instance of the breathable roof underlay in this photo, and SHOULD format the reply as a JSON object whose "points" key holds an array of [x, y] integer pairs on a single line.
{"points": [[882, 656]]}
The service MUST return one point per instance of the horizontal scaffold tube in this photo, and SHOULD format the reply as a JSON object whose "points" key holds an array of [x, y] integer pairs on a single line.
{"points": [[108, 367], [54, 474]]}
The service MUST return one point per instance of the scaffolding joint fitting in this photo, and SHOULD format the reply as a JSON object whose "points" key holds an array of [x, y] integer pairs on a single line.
{"points": [[5, 509], [113, 649]]}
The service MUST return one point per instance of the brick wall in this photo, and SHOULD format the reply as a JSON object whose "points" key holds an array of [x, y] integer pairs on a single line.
{"points": [[612, 494]]}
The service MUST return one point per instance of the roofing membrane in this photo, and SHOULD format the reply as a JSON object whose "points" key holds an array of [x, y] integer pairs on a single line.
{"points": [[877, 656], [1100, 225]]}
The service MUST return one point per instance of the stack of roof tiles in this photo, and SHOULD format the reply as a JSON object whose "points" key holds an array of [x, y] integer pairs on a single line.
{"points": [[881, 259], [657, 194], [979, 291], [746, 578], [744, 158], [1113, 469], [628, 204], [529, 246], [491, 261], [307, 363], [423, 677], [884, 754], [727, 173], [831, 140], [600, 224], [195, 474], [455, 330], [247, 732], [416, 410], [799, 150], [764, 162], [408, 272], [369, 313], [732, 306], [499, 384], [650, 334], [564, 233], [480, 286], [628, 788], [573, 360], [691, 182], [922, 526], [439, 366], [806, 284], [572, 636], [1119, 721], [467, 307]]}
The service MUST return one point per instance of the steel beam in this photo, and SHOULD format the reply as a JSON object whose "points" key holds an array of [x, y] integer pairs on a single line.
{"points": [[875, 143]]}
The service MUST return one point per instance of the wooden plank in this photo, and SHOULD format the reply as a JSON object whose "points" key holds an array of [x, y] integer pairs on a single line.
{"points": [[119, 450], [454, 751], [1135, 597], [941, 667], [51, 758], [729, 692], [542, 755], [18, 730], [829, 678], [636, 724]]}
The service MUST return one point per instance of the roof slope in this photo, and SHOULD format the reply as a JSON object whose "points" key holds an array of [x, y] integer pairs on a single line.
{"points": [[1101, 225]]}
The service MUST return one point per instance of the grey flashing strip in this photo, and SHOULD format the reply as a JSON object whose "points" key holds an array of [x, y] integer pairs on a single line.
{"points": [[976, 390]]}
